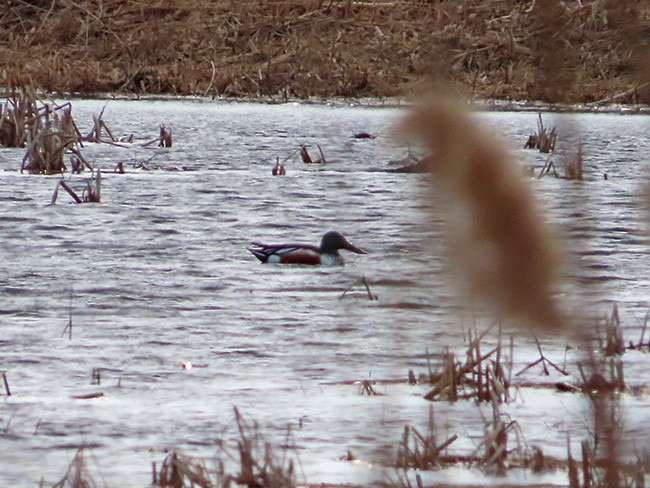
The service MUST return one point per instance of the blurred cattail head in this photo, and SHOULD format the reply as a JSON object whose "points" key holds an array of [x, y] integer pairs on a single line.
{"points": [[502, 252]]}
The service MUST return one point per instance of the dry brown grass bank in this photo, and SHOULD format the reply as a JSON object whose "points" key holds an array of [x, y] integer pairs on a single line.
{"points": [[302, 48]]}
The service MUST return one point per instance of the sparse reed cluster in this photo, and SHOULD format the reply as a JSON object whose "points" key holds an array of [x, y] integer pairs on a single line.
{"points": [[482, 376], [543, 139], [47, 142], [49, 135], [260, 466], [91, 192], [178, 471], [422, 451], [46, 130]]}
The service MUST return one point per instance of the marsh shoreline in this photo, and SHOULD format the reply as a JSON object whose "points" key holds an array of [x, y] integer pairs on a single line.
{"points": [[587, 52]]}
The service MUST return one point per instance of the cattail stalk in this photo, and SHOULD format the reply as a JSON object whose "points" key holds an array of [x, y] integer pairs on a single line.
{"points": [[504, 251]]}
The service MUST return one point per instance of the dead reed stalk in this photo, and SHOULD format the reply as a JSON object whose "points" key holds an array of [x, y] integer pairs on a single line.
{"points": [[495, 443], [601, 463], [644, 328], [278, 168], [165, 137], [95, 134], [574, 480], [68, 327], [19, 112], [574, 166], [96, 376], [5, 382], [503, 251], [45, 129], [614, 344], [543, 360], [549, 166], [306, 158]]}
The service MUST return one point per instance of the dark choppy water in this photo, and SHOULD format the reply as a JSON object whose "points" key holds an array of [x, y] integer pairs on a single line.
{"points": [[159, 275]]}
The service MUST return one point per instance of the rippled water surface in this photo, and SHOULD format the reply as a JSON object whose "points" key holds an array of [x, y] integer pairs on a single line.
{"points": [[158, 275]]}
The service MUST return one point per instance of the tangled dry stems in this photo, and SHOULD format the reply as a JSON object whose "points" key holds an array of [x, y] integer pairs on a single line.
{"points": [[482, 376], [260, 466], [543, 140], [77, 475], [178, 471], [45, 129], [601, 382], [593, 49]]}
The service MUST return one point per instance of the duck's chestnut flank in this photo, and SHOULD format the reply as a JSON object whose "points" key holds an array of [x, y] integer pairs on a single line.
{"points": [[327, 254]]}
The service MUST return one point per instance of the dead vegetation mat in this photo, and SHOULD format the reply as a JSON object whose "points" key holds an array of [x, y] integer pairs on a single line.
{"points": [[572, 51]]}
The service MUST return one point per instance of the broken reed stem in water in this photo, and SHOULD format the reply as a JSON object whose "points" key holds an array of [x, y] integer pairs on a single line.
{"points": [[91, 192], [494, 444], [70, 191], [363, 280], [6, 383], [646, 320], [82, 159], [542, 359], [19, 116], [574, 480], [548, 166], [366, 388], [306, 158], [69, 326], [95, 134], [164, 138], [365, 283]]}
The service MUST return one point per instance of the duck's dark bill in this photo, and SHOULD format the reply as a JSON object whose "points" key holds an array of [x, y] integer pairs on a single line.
{"points": [[353, 248]]}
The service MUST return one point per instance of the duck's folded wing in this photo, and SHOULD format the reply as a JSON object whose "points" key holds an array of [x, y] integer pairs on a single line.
{"points": [[286, 253]]}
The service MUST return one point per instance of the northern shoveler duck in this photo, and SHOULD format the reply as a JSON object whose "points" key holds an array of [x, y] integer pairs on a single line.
{"points": [[326, 254]]}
